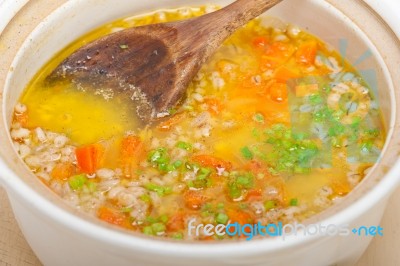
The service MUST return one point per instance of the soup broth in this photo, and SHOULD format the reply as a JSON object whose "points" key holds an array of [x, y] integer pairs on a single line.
{"points": [[276, 127]]}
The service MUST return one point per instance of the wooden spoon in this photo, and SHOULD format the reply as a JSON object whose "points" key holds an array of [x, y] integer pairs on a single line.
{"points": [[154, 64]]}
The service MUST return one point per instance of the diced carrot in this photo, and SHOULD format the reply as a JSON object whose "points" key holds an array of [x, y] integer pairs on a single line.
{"points": [[283, 74], [176, 222], [171, 122], [89, 157], [278, 92], [240, 216], [62, 171], [254, 195], [131, 153], [194, 199], [260, 42], [275, 55], [307, 52], [255, 167], [130, 146], [279, 50], [269, 63], [112, 216], [214, 106], [258, 168], [212, 161]]}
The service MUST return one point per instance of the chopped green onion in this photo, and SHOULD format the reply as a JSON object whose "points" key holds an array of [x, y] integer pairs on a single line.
{"points": [[126, 209], [221, 218], [148, 230], [234, 191], [247, 154], [315, 99], [145, 198], [77, 181], [184, 146], [238, 182], [158, 155], [123, 46], [366, 146], [294, 202], [161, 191], [259, 118], [172, 111], [151, 219], [206, 213], [356, 122], [337, 129], [246, 181], [255, 132], [269, 204], [177, 164], [177, 236], [158, 228], [207, 206], [164, 218], [188, 107], [372, 132]]}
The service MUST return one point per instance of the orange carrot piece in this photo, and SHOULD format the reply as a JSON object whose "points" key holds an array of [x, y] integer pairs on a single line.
{"points": [[283, 73], [89, 157], [240, 216], [214, 106], [255, 167], [254, 195], [260, 42], [194, 199], [130, 146], [212, 161], [279, 50], [171, 122], [111, 216], [176, 222], [278, 92], [62, 171], [307, 52]]}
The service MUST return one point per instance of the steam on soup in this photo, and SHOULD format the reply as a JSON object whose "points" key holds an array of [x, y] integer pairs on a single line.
{"points": [[276, 127]]}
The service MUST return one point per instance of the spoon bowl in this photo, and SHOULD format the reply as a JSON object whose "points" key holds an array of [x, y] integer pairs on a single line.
{"points": [[154, 64]]}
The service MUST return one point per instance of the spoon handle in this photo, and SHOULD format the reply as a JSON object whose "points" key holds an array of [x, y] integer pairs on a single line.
{"points": [[242, 11], [215, 27]]}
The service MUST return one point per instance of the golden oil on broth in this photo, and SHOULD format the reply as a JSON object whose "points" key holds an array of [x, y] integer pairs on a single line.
{"points": [[84, 117]]}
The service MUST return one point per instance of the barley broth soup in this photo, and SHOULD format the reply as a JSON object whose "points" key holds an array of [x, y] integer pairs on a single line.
{"points": [[276, 127]]}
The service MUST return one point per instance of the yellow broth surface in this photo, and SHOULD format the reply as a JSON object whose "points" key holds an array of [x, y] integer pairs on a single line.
{"points": [[275, 128]]}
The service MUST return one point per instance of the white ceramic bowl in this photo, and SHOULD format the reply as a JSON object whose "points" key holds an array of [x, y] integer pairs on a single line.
{"points": [[61, 236]]}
